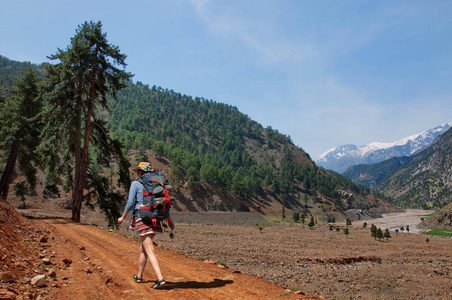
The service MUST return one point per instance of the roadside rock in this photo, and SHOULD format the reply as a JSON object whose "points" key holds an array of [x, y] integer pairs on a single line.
{"points": [[38, 280], [26, 280], [7, 295], [211, 262], [8, 277], [52, 273]]}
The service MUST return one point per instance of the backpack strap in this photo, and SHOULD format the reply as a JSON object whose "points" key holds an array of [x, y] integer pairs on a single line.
{"points": [[147, 197], [167, 198]]}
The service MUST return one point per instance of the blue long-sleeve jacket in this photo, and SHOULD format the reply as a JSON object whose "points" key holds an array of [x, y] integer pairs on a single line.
{"points": [[136, 191]]}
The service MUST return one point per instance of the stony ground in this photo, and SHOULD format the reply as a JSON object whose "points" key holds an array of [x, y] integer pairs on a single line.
{"points": [[317, 262], [327, 263]]}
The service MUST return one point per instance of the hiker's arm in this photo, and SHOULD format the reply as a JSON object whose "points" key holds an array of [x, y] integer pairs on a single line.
{"points": [[130, 201], [120, 219]]}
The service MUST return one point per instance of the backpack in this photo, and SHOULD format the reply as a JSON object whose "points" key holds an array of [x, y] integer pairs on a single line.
{"points": [[156, 200]]}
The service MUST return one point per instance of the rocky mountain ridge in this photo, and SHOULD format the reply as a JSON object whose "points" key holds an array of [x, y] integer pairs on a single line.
{"points": [[339, 159]]}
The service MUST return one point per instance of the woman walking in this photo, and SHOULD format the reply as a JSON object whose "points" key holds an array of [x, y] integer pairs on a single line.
{"points": [[146, 232]]}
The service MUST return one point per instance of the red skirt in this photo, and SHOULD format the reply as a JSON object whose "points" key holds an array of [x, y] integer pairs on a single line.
{"points": [[144, 229]]}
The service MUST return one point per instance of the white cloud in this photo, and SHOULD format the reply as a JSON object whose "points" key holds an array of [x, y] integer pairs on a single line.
{"points": [[262, 39]]}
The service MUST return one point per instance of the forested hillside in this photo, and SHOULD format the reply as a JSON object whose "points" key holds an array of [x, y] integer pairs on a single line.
{"points": [[371, 175], [220, 159], [425, 181], [11, 69], [213, 143]]}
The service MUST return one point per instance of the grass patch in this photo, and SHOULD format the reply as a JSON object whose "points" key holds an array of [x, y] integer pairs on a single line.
{"points": [[439, 232], [427, 215], [273, 218], [279, 219], [221, 262]]}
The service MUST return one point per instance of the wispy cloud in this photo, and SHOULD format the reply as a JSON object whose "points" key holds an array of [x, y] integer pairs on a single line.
{"points": [[343, 90], [270, 46]]}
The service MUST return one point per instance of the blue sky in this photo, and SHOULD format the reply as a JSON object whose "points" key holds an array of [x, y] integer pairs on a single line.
{"points": [[327, 73]]}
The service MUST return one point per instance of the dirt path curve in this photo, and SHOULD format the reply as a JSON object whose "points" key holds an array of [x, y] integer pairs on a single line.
{"points": [[103, 263]]}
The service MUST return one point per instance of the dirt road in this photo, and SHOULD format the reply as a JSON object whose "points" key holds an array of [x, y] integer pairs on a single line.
{"points": [[103, 263], [317, 261]]}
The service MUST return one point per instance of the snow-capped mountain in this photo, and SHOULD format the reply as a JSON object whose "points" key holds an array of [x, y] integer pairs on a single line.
{"points": [[339, 159]]}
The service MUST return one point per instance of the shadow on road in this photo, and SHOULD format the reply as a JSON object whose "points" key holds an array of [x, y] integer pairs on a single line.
{"points": [[195, 284]]}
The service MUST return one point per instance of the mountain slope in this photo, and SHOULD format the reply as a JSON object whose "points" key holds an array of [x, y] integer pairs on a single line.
{"points": [[10, 70], [441, 218], [341, 158], [212, 146], [371, 175], [426, 181]]}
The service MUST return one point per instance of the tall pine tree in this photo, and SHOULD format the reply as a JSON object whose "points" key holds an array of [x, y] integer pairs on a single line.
{"points": [[20, 127], [89, 72]]}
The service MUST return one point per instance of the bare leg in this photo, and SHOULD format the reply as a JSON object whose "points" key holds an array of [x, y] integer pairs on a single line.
{"points": [[149, 250], [142, 261]]}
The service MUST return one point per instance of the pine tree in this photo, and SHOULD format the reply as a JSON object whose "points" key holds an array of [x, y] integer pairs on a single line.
{"points": [[387, 234], [373, 231], [79, 86], [20, 129], [296, 216], [21, 190], [346, 231], [303, 218], [331, 219], [379, 234]]}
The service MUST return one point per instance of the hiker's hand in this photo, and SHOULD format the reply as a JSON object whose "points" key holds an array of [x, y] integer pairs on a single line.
{"points": [[120, 220]]}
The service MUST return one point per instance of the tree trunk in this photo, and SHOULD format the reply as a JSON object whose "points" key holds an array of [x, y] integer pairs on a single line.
{"points": [[81, 169], [77, 191], [81, 163], [5, 181]]}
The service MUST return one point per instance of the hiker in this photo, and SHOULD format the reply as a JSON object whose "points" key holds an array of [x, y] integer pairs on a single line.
{"points": [[146, 232]]}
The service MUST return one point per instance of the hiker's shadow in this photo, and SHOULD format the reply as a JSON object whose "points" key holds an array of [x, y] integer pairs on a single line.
{"points": [[195, 284]]}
